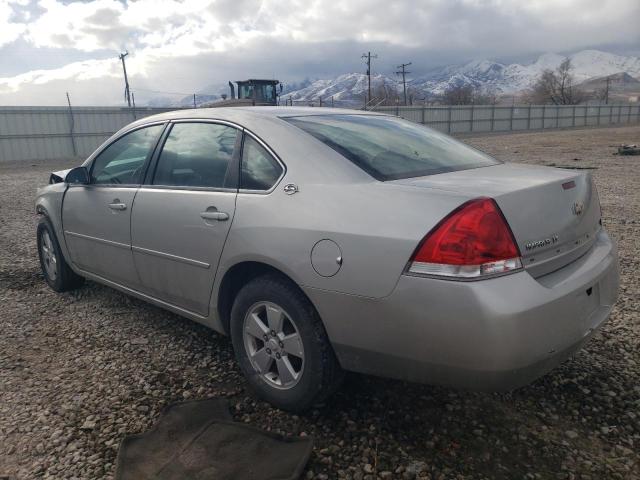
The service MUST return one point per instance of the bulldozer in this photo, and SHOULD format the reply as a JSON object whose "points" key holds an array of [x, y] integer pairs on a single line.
{"points": [[251, 92]]}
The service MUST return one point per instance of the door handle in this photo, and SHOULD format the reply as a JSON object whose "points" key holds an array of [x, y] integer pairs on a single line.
{"points": [[214, 215], [118, 206]]}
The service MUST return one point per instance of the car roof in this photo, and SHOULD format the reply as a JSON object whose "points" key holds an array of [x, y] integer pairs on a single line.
{"points": [[249, 115]]}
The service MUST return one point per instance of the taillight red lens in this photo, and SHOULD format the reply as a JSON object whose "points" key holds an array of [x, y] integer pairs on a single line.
{"points": [[474, 240]]}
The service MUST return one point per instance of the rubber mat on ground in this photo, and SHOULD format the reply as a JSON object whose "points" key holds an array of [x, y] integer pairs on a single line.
{"points": [[198, 440]]}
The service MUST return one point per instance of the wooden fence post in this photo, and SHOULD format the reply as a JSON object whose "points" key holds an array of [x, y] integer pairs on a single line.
{"points": [[586, 110], [493, 115], [72, 126], [472, 112], [610, 114]]}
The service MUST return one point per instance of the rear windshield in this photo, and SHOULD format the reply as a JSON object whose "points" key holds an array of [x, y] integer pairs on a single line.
{"points": [[390, 148]]}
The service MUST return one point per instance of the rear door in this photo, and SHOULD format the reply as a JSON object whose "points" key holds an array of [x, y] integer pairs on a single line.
{"points": [[96, 217], [183, 213]]}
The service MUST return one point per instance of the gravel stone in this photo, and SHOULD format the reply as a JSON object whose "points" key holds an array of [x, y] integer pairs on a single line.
{"points": [[80, 370]]}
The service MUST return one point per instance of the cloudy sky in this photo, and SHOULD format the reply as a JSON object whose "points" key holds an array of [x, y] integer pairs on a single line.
{"points": [[49, 47]]}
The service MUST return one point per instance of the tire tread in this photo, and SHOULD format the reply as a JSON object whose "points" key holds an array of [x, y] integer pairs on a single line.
{"points": [[330, 375]]}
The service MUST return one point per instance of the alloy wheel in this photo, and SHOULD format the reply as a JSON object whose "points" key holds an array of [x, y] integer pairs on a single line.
{"points": [[273, 345], [49, 258]]}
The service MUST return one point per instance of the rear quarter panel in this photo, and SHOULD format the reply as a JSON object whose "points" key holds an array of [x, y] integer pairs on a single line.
{"points": [[376, 226]]}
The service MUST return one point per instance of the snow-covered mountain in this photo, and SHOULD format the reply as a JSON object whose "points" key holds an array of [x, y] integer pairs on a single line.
{"points": [[484, 74], [347, 88]]}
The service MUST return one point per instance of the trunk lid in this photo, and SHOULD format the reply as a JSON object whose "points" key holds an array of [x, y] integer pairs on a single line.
{"points": [[554, 213]]}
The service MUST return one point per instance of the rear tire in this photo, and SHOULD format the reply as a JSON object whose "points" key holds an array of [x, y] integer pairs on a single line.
{"points": [[55, 269], [281, 344]]}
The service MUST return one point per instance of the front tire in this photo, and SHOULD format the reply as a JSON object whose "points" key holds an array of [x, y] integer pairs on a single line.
{"points": [[55, 269], [281, 344]]}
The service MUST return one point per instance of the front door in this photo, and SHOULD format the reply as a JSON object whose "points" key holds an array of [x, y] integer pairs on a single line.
{"points": [[96, 218], [181, 218]]}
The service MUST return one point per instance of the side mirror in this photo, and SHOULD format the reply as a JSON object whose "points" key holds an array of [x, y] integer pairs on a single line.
{"points": [[77, 176]]}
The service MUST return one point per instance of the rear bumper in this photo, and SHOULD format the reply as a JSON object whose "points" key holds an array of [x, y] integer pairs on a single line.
{"points": [[492, 334]]}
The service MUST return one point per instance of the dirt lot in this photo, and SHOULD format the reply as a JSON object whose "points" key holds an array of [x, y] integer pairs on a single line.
{"points": [[79, 371]]}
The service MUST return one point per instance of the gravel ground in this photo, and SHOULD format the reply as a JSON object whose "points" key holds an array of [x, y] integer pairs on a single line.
{"points": [[78, 371]]}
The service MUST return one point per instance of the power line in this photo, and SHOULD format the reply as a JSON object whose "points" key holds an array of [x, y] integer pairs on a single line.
{"points": [[368, 56], [404, 79]]}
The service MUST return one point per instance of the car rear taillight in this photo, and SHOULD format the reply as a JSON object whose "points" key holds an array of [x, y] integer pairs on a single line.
{"points": [[472, 242]]}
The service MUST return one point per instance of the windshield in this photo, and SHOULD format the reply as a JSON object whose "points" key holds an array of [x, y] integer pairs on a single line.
{"points": [[389, 148], [261, 92]]}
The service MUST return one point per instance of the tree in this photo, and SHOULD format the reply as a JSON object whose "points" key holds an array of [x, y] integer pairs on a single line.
{"points": [[467, 94], [386, 94], [556, 86], [458, 95]]}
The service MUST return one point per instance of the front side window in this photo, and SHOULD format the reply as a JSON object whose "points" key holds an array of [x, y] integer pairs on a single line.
{"points": [[259, 170], [122, 161], [196, 155], [388, 148]]}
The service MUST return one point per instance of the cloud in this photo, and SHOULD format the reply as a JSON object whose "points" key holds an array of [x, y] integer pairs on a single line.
{"points": [[9, 30], [183, 45], [77, 71]]}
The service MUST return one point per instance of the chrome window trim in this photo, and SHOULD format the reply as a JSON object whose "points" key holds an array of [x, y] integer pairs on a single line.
{"points": [[207, 120], [167, 122], [274, 155], [188, 188], [88, 163], [148, 186]]}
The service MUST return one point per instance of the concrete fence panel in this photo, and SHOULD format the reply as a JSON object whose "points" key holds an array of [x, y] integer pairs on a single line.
{"points": [[33, 133], [501, 118]]}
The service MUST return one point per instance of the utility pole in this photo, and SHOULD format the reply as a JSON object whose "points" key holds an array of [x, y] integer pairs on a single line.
{"points": [[194, 100], [133, 100], [368, 56], [127, 93], [606, 91], [404, 79]]}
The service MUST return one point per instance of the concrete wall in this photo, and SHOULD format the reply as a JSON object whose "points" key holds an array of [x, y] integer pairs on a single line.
{"points": [[32, 133], [494, 118]]}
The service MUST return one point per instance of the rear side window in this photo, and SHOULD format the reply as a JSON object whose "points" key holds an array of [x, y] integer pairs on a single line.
{"points": [[259, 170], [390, 148], [122, 161], [196, 155]]}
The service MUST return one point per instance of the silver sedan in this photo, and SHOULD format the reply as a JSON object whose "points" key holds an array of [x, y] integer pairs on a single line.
{"points": [[327, 240]]}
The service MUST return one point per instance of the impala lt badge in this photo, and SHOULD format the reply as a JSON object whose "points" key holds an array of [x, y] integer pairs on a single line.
{"points": [[542, 243], [578, 208]]}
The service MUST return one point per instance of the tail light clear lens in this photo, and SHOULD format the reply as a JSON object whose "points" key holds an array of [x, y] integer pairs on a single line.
{"points": [[473, 241]]}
